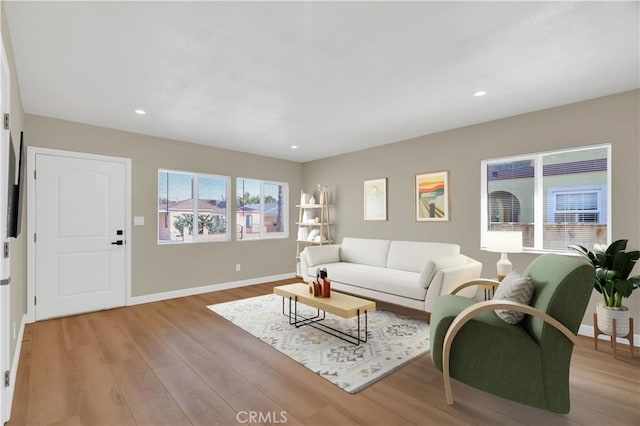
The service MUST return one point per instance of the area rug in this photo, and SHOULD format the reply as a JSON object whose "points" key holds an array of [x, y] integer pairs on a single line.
{"points": [[392, 340]]}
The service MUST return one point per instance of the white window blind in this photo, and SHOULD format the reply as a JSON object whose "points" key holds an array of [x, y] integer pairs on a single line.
{"points": [[554, 198]]}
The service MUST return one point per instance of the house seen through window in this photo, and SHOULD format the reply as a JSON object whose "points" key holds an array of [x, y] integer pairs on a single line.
{"points": [[192, 207], [555, 198], [261, 209]]}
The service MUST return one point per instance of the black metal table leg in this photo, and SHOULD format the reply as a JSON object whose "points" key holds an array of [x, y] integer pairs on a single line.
{"points": [[299, 320]]}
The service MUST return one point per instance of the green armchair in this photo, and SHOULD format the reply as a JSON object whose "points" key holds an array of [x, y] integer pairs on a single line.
{"points": [[528, 362]]}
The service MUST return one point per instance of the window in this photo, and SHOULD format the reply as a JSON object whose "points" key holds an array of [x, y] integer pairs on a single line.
{"points": [[183, 196], [576, 207], [261, 209], [555, 198]]}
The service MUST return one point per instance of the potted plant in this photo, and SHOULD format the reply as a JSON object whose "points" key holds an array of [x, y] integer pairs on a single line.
{"points": [[613, 266]]}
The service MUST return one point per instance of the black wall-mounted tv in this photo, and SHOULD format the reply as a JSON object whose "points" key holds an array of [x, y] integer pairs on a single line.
{"points": [[15, 190]]}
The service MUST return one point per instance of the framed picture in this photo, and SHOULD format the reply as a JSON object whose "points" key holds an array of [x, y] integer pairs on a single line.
{"points": [[432, 197], [375, 199]]}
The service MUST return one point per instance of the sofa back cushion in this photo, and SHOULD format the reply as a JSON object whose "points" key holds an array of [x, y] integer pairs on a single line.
{"points": [[412, 256], [321, 255], [364, 251]]}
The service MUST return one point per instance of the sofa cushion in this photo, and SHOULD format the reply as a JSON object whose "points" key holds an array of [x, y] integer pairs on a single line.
{"points": [[364, 251], [427, 273], [399, 283], [317, 255], [411, 256]]}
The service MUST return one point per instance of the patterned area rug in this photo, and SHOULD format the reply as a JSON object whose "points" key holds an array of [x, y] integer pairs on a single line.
{"points": [[392, 340]]}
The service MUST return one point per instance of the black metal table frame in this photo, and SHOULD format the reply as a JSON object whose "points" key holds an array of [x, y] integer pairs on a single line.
{"points": [[298, 320]]}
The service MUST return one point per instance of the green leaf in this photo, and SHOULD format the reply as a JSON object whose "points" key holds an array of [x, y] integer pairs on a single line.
{"points": [[578, 248], [635, 281], [612, 251], [583, 251], [604, 274], [624, 287], [616, 247], [624, 262], [601, 260], [611, 274]]}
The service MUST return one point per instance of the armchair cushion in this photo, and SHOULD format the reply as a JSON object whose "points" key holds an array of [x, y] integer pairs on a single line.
{"points": [[515, 288]]}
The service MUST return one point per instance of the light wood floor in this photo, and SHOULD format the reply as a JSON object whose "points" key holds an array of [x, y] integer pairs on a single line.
{"points": [[175, 362]]}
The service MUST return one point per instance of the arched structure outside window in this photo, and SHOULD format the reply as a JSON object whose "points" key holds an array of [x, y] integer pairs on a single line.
{"points": [[504, 207]]}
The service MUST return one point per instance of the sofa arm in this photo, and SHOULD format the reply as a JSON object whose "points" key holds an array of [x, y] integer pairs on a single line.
{"points": [[317, 255], [304, 266], [446, 280]]}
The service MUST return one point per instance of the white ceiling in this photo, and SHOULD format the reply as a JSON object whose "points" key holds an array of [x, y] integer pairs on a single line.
{"points": [[329, 77]]}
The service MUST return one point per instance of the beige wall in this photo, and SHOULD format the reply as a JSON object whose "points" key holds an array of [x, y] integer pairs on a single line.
{"points": [[18, 245], [160, 268], [612, 119]]}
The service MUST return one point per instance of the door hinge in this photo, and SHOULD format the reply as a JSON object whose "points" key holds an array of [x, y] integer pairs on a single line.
{"points": [[6, 121], [6, 250], [35, 300], [34, 174], [34, 237], [7, 379]]}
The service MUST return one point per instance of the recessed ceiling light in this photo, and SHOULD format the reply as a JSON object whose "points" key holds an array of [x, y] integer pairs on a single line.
{"points": [[294, 146], [479, 93], [140, 112]]}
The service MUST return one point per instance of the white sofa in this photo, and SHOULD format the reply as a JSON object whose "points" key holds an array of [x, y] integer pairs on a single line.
{"points": [[406, 273]]}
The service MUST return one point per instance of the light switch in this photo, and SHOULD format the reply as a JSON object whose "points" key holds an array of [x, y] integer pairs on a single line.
{"points": [[138, 220]]}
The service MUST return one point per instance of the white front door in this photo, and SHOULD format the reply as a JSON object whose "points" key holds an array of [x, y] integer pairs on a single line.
{"points": [[80, 217]]}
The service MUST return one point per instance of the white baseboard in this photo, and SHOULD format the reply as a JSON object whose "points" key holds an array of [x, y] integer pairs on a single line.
{"points": [[156, 297], [14, 364], [587, 330]]}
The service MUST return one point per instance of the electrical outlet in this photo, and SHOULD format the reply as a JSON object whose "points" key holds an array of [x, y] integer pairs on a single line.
{"points": [[237, 267]]}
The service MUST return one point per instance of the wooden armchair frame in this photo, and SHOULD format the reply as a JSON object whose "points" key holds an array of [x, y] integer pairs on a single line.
{"points": [[469, 313], [479, 281]]}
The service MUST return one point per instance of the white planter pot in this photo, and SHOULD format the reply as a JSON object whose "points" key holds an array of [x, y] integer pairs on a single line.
{"points": [[607, 315]]}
